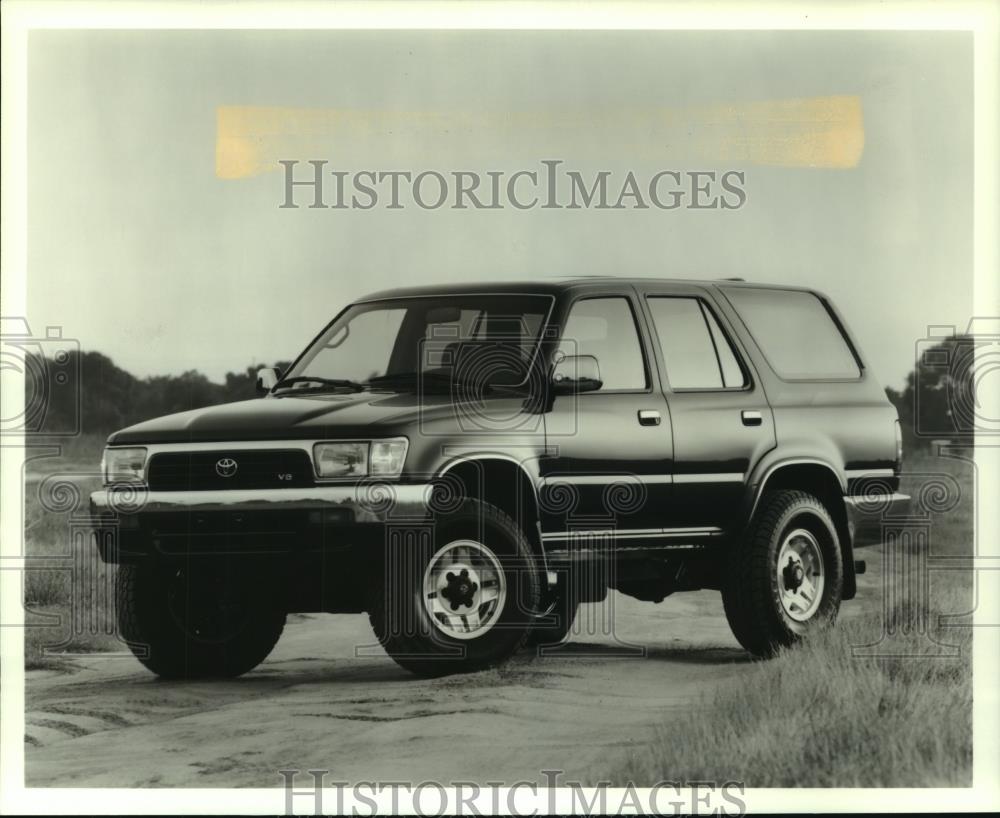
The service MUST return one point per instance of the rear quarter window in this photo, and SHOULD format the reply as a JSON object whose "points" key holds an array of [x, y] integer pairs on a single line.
{"points": [[796, 332]]}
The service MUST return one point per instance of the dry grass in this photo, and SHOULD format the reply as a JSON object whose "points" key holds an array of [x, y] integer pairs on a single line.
{"points": [[81, 453], [819, 715], [66, 586]]}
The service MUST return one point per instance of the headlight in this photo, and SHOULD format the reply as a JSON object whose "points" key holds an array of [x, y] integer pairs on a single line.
{"points": [[382, 458], [341, 459], [123, 466], [387, 457]]}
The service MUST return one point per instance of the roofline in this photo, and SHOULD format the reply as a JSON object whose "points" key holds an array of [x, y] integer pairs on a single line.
{"points": [[557, 285]]}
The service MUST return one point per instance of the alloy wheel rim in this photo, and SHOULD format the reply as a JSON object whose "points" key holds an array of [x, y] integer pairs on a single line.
{"points": [[800, 574], [464, 589]]}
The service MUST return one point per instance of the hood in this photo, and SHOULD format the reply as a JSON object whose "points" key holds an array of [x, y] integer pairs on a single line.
{"points": [[292, 418]]}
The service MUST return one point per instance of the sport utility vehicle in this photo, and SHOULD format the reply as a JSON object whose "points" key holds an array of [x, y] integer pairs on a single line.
{"points": [[467, 464]]}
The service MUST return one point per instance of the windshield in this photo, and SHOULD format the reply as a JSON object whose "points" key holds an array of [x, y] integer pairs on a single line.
{"points": [[487, 339]]}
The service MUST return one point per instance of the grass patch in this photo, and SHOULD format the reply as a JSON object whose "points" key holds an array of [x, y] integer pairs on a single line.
{"points": [[53, 647], [818, 715], [80, 453], [67, 589]]}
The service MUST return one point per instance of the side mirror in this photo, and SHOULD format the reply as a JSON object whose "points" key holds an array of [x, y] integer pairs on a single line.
{"points": [[267, 378], [576, 373]]}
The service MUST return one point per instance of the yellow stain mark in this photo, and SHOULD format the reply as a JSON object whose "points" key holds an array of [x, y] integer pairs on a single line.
{"points": [[816, 132], [821, 132]]}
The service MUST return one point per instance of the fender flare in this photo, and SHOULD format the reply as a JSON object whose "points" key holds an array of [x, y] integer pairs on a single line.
{"points": [[756, 487], [530, 477]]}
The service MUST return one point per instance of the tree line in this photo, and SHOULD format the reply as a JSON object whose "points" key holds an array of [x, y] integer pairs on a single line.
{"points": [[105, 397], [938, 400]]}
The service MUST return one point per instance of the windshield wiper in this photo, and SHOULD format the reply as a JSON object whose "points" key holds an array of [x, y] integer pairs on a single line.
{"points": [[411, 379], [437, 379], [321, 383]]}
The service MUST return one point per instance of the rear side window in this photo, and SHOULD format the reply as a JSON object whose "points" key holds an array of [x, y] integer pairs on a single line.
{"points": [[696, 352], [796, 333]]}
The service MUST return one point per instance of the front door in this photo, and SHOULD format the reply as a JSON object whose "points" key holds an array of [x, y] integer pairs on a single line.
{"points": [[609, 451]]}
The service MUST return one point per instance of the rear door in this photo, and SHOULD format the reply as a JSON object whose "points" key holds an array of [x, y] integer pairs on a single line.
{"points": [[721, 421]]}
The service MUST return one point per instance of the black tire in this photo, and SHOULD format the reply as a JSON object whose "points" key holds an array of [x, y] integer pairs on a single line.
{"points": [[409, 632], [202, 620], [753, 586], [552, 629]]}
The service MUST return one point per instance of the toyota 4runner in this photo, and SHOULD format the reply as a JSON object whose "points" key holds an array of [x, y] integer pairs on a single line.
{"points": [[468, 464]]}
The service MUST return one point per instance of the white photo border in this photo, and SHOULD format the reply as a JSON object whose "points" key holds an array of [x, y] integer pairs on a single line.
{"points": [[21, 17]]}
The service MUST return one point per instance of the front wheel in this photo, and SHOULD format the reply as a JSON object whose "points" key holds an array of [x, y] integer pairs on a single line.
{"points": [[461, 597], [196, 620], [786, 579]]}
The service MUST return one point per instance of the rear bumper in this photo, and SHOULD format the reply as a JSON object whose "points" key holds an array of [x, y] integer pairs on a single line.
{"points": [[867, 517], [134, 523]]}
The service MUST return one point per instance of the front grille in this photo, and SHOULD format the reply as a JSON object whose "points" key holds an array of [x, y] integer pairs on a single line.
{"points": [[206, 471]]}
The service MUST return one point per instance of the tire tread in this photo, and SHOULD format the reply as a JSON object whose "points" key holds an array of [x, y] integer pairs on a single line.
{"points": [[747, 597]]}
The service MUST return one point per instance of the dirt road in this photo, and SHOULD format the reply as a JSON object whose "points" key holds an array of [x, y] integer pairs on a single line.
{"points": [[315, 704]]}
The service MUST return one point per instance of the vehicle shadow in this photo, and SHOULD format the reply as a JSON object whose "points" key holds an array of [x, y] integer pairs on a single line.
{"points": [[310, 670], [716, 655]]}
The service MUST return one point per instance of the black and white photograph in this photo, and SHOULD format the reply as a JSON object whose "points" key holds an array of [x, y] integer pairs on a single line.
{"points": [[500, 409]]}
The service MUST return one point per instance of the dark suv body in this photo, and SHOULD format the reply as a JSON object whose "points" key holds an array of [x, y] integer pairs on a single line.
{"points": [[469, 463]]}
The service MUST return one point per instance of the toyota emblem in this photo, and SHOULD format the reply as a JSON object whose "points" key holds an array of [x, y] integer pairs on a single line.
{"points": [[226, 467]]}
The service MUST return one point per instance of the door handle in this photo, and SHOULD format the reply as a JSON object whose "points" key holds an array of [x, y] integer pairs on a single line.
{"points": [[751, 417], [649, 417]]}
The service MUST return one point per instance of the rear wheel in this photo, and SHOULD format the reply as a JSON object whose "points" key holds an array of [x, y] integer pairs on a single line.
{"points": [[786, 580], [460, 600], [197, 620]]}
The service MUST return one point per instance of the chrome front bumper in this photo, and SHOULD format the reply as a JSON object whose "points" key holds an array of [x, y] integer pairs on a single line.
{"points": [[362, 503], [134, 523]]}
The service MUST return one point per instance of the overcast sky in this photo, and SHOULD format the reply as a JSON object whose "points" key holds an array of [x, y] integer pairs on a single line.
{"points": [[138, 249]]}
